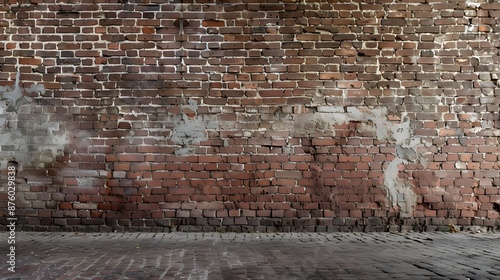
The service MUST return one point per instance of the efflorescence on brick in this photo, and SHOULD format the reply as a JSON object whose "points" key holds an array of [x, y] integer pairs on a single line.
{"points": [[244, 116]]}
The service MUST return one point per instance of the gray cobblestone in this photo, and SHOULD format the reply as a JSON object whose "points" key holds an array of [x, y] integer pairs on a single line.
{"points": [[253, 256]]}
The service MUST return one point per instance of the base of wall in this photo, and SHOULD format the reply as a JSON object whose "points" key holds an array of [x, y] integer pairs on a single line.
{"points": [[280, 225]]}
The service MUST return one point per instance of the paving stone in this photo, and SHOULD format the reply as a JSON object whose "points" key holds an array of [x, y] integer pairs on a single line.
{"points": [[110, 256]]}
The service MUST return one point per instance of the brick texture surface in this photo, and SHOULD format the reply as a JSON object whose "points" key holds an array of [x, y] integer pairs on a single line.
{"points": [[250, 115]]}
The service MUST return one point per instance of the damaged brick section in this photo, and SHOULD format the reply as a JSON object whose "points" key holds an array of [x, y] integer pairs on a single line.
{"points": [[27, 135], [14, 95], [289, 116], [374, 123]]}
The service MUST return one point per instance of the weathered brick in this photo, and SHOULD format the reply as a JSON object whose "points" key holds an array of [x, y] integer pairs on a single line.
{"points": [[393, 22], [267, 110]]}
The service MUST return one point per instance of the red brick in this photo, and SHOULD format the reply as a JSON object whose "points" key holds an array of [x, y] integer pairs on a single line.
{"points": [[433, 198], [30, 61], [426, 178], [130, 157], [323, 142], [65, 206]]}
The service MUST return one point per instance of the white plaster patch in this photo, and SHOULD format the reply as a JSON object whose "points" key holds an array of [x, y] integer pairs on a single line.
{"points": [[13, 96], [31, 142], [473, 4], [25, 146], [190, 131]]}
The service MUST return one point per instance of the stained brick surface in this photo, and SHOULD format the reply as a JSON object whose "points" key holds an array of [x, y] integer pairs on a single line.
{"points": [[250, 115]]}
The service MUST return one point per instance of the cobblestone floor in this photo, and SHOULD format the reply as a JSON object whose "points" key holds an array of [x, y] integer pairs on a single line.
{"points": [[252, 256]]}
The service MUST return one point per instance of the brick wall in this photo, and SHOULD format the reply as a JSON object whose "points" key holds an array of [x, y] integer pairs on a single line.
{"points": [[251, 115]]}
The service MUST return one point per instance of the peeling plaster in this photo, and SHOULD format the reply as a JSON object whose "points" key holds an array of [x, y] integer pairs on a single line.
{"points": [[31, 142], [399, 192], [189, 131], [14, 95], [28, 148], [473, 4]]}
